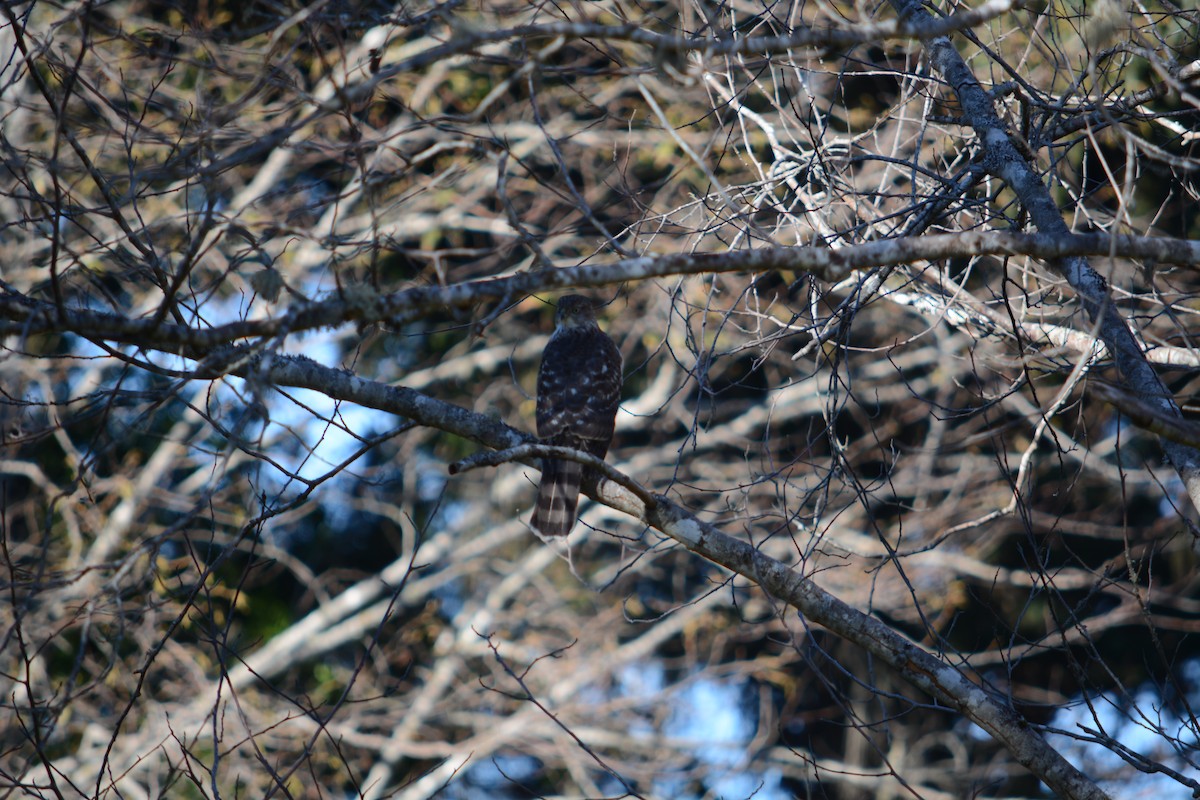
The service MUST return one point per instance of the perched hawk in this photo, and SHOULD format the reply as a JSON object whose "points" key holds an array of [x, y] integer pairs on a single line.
{"points": [[579, 387]]}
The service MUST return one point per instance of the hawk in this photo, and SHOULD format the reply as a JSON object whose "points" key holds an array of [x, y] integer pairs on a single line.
{"points": [[579, 387]]}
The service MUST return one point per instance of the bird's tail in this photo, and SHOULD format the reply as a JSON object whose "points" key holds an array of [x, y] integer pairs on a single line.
{"points": [[558, 497]]}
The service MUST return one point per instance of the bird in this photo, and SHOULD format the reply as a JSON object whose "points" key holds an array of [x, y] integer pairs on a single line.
{"points": [[579, 389]]}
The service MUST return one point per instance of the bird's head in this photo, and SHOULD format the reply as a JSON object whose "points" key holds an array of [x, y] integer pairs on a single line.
{"points": [[574, 311]]}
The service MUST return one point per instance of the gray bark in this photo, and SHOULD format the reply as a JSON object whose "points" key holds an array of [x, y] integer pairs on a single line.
{"points": [[1001, 158]]}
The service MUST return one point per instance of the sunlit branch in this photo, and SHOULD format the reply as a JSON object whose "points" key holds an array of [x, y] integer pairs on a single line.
{"points": [[22, 316]]}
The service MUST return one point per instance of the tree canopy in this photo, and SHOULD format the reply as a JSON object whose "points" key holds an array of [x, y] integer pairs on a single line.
{"points": [[903, 496]]}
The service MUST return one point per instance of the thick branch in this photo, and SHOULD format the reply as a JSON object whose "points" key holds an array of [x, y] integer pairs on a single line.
{"points": [[22, 316], [1004, 160], [721, 44], [917, 666], [300, 372]]}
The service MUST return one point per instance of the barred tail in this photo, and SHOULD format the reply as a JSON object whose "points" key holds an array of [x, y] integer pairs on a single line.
{"points": [[558, 497]]}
